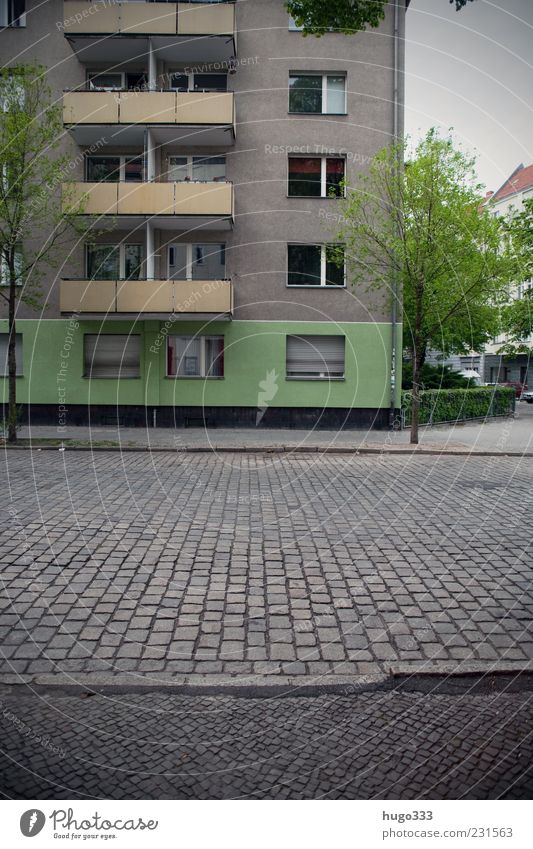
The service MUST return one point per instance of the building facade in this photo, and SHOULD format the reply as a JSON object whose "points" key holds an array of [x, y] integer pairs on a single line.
{"points": [[210, 141], [508, 199]]}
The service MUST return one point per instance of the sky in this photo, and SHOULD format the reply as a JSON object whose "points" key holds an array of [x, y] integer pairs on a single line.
{"points": [[473, 70]]}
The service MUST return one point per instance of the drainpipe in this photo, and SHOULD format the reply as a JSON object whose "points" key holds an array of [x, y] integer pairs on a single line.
{"points": [[395, 282]]}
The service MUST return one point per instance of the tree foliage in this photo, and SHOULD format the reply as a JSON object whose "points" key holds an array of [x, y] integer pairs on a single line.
{"points": [[517, 316], [34, 228], [421, 230], [318, 17]]}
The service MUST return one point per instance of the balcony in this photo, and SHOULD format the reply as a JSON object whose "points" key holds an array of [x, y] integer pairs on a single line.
{"points": [[131, 298], [122, 31], [188, 117], [170, 205]]}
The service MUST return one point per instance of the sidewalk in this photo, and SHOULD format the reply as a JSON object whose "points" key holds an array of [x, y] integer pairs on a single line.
{"points": [[505, 435]]}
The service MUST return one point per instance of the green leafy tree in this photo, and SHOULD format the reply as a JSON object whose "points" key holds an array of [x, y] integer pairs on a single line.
{"points": [[422, 230], [33, 223], [346, 16], [434, 377], [517, 317]]}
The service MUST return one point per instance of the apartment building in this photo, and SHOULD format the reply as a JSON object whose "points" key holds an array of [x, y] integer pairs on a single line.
{"points": [[212, 141]]}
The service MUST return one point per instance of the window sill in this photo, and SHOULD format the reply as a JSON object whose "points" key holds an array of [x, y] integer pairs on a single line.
{"points": [[315, 197], [116, 377], [190, 377], [312, 286], [318, 379], [321, 114]]}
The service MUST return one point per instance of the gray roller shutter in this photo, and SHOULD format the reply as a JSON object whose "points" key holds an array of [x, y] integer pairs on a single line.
{"points": [[3, 353], [112, 356], [315, 356]]}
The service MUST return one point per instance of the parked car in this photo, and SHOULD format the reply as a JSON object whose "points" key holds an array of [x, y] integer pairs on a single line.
{"points": [[519, 388], [527, 396]]}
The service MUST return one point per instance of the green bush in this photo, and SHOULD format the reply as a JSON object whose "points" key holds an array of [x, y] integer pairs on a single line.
{"points": [[434, 377], [458, 405]]}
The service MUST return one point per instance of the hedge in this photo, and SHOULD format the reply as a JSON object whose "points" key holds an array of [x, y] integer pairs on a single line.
{"points": [[459, 405]]}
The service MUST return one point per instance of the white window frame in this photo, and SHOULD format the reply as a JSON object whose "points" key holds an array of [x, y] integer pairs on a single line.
{"points": [[123, 158], [189, 262], [4, 16], [323, 265], [189, 158], [121, 258], [324, 76], [190, 78], [202, 340], [123, 79], [323, 176], [323, 375]]}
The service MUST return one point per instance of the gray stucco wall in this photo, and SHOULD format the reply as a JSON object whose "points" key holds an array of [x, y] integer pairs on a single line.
{"points": [[266, 219]]}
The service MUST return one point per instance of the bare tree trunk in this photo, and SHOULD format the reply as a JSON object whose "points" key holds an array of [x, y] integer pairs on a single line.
{"points": [[12, 364]]}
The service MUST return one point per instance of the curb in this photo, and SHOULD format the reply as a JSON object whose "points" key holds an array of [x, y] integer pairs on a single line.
{"points": [[276, 449], [510, 676]]}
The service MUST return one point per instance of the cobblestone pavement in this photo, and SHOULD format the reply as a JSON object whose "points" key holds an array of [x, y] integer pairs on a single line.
{"points": [[394, 745], [262, 564]]}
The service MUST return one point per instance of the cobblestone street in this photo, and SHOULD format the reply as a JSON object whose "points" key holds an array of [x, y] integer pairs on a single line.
{"points": [[261, 565], [169, 570], [391, 745]]}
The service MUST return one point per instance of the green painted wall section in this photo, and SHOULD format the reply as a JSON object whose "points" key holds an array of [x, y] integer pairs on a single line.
{"points": [[53, 365]]}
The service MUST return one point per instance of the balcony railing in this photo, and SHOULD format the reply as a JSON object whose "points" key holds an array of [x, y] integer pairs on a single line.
{"points": [[185, 199], [174, 32], [86, 18], [134, 297], [194, 108]]}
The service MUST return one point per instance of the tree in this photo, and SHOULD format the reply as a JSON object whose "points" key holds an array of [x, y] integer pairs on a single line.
{"points": [[517, 316], [346, 16], [32, 221], [422, 229]]}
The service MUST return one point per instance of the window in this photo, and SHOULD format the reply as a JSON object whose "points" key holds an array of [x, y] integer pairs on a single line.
{"points": [[114, 262], [317, 93], [197, 262], [111, 356], [116, 81], [4, 337], [12, 93], [315, 357], [12, 13], [203, 169], [181, 81], [314, 265], [195, 356], [316, 176], [4, 270], [114, 169]]}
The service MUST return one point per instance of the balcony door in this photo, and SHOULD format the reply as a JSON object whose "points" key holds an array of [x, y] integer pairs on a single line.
{"points": [[197, 261]]}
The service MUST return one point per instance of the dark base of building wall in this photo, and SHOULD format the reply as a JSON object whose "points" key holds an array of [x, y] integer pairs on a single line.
{"points": [[211, 417]]}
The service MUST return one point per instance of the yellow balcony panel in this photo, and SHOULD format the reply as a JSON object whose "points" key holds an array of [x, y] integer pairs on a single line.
{"points": [[147, 107], [90, 107], [145, 296], [195, 107], [146, 199], [152, 18], [204, 199], [203, 296], [91, 198], [81, 17], [94, 296], [206, 19]]}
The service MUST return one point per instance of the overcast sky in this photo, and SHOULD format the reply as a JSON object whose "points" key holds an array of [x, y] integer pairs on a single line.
{"points": [[472, 70]]}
